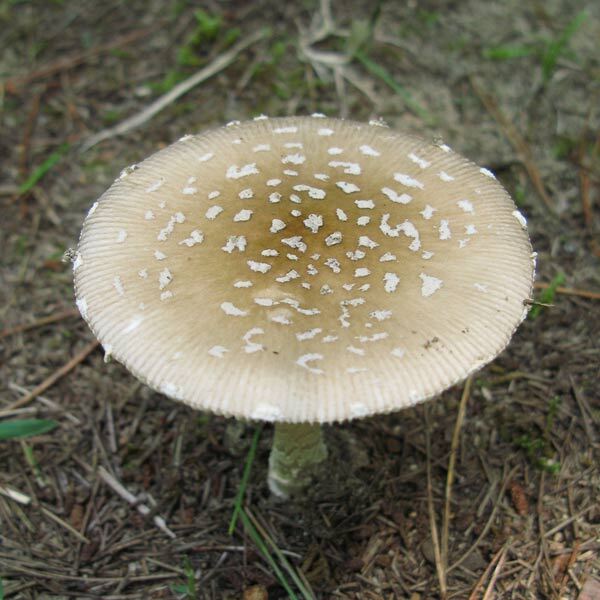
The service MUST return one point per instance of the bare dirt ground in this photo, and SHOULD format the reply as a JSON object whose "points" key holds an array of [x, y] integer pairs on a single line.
{"points": [[512, 85]]}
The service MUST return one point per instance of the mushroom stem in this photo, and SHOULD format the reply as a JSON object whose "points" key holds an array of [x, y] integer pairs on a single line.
{"points": [[297, 449]]}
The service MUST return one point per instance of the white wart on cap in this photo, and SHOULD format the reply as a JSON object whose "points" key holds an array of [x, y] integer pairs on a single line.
{"points": [[303, 269]]}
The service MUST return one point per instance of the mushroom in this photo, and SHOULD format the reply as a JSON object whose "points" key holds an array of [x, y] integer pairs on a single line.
{"points": [[302, 271]]}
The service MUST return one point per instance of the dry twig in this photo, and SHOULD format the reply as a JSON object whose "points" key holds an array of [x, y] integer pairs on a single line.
{"points": [[221, 62], [584, 174], [586, 412], [439, 565], [474, 595], [59, 316], [26, 501], [49, 405], [122, 491], [27, 132], [15, 495], [13, 85], [570, 562], [64, 524], [490, 588], [462, 407], [517, 141], [505, 480], [569, 291], [544, 553], [50, 381], [338, 63]]}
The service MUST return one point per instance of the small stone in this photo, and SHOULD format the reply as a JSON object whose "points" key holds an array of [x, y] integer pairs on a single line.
{"points": [[256, 592]]}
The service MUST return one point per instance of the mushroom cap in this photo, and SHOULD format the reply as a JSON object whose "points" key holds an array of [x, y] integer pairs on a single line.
{"points": [[303, 269]]}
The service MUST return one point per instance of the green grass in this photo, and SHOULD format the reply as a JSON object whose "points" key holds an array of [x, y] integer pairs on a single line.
{"points": [[122, 53], [558, 47], [277, 50], [546, 296], [111, 116], [280, 566], [42, 169], [547, 52], [538, 448], [507, 52], [535, 448], [519, 195], [187, 589], [21, 245], [275, 558], [33, 463], [429, 18], [237, 506], [564, 147], [169, 81], [192, 52], [378, 71], [207, 26], [358, 46], [23, 428]]}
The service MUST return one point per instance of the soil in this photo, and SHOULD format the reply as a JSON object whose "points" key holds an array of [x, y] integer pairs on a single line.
{"points": [[512, 85]]}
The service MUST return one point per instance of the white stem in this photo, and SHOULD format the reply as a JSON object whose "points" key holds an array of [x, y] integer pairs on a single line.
{"points": [[297, 449]]}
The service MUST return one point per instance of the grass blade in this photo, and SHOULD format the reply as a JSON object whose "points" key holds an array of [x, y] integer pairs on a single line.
{"points": [[383, 74], [237, 507], [255, 536], [547, 295], [306, 593], [40, 171], [507, 52], [555, 49], [22, 428]]}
